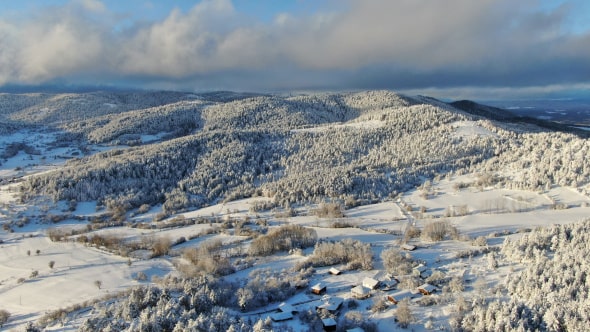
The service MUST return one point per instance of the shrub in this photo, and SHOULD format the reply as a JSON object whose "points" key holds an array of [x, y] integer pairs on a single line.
{"points": [[4, 316], [352, 252], [403, 314], [395, 261], [439, 230], [161, 246], [480, 241], [286, 237], [208, 258], [329, 210], [411, 232], [51, 264], [141, 276], [379, 304], [34, 274]]}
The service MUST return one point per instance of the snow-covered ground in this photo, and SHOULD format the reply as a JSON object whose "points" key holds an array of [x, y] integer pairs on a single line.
{"points": [[72, 280]]}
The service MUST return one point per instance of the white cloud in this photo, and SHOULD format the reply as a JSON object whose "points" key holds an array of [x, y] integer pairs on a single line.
{"points": [[362, 43]]}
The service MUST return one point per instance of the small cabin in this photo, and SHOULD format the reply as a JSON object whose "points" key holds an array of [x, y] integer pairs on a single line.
{"points": [[389, 284], [318, 289], [370, 283], [334, 271], [396, 297], [421, 271], [360, 292], [426, 289], [332, 304]]}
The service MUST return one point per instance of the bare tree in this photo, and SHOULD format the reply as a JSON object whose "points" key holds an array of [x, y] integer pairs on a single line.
{"points": [[404, 314], [4, 316]]}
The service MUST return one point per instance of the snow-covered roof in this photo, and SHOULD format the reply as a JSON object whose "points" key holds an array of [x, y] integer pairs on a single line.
{"points": [[389, 283], [286, 307], [332, 303], [318, 286], [329, 322], [370, 283], [428, 288], [421, 268], [334, 271], [360, 290], [281, 316], [400, 295]]}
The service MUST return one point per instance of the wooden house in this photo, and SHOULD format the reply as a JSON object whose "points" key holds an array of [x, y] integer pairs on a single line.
{"points": [[370, 283], [426, 289], [318, 289], [389, 284], [396, 297], [334, 271], [360, 292], [421, 271], [331, 304]]}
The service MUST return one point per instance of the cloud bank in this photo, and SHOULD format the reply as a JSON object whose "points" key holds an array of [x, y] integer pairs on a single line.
{"points": [[359, 44]]}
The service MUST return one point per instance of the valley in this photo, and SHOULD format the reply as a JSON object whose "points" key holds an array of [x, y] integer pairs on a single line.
{"points": [[173, 211]]}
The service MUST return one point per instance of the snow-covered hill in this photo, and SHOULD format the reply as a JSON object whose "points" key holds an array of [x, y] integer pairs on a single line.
{"points": [[174, 185]]}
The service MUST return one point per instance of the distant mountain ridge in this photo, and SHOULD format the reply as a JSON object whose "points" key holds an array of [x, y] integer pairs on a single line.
{"points": [[350, 147]]}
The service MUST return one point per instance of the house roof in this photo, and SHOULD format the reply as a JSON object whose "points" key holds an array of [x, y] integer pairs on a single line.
{"points": [[281, 316], [332, 303], [360, 290], [334, 270], [328, 322], [286, 307], [370, 282], [389, 283], [427, 287], [400, 295], [421, 268], [318, 286]]}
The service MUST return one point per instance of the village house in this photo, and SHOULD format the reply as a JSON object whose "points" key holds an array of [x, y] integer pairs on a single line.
{"points": [[421, 271], [396, 297], [331, 304], [318, 289], [360, 292], [370, 283], [426, 289], [389, 284]]}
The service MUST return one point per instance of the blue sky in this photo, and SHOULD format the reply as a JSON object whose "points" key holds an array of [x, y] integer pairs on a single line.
{"points": [[451, 48]]}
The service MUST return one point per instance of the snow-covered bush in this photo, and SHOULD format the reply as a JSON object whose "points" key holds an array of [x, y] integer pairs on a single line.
{"points": [[347, 251]]}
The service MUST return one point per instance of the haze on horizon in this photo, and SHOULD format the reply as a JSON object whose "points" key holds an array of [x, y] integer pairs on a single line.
{"points": [[454, 48]]}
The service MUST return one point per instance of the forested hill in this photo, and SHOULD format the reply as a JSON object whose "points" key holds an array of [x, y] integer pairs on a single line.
{"points": [[351, 147]]}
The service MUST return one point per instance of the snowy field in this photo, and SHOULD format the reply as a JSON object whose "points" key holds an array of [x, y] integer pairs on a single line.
{"points": [[30, 285], [38, 276]]}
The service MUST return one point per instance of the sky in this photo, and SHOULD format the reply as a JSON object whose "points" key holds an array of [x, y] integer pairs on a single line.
{"points": [[451, 48]]}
